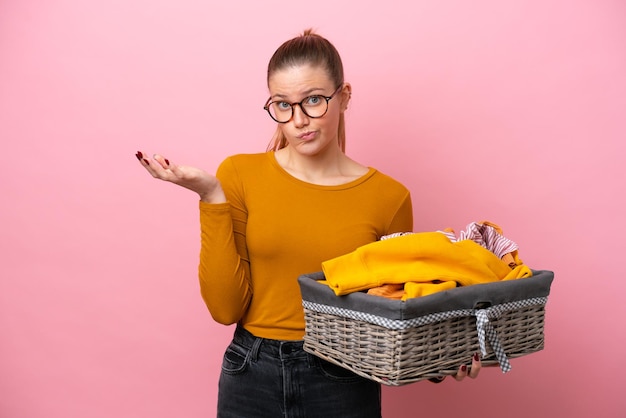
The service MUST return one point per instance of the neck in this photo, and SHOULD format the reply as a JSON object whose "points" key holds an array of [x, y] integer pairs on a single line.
{"points": [[328, 168], [320, 164]]}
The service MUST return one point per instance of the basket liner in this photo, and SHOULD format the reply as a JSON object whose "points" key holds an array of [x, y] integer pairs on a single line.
{"points": [[460, 298]]}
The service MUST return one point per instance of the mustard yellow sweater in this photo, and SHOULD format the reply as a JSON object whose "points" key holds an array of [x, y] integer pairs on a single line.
{"points": [[275, 228]]}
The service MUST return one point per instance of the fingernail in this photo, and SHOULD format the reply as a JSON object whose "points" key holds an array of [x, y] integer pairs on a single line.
{"points": [[139, 155], [464, 368], [476, 357], [167, 161], [146, 161]]}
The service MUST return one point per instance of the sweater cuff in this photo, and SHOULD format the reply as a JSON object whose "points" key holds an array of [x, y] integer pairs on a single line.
{"points": [[208, 207]]}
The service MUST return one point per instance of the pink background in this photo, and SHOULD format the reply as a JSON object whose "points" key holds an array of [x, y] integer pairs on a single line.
{"points": [[509, 111]]}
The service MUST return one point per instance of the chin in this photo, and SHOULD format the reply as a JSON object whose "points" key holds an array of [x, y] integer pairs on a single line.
{"points": [[312, 148]]}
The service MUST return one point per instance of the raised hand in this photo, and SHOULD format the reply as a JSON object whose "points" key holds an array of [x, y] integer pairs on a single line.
{"points": [[204, 184]]}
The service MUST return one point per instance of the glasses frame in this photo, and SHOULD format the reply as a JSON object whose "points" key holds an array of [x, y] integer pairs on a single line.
{"points": [[291, 105]]}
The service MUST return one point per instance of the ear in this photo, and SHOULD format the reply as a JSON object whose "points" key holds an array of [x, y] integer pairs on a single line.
{"points": [[346, 94]]}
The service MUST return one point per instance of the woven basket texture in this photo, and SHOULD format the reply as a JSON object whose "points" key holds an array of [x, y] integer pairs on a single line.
{"points": [[398, 357]]}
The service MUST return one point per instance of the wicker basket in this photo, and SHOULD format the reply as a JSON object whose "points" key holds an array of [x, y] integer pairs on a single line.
{"points": [[395, 343]]}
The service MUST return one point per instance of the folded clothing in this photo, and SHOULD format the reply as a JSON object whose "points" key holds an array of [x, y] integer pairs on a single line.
{"points": [[421, 258]]}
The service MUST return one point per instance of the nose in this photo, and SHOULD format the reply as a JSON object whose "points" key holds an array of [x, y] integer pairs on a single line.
{"points": [[300, 119]]}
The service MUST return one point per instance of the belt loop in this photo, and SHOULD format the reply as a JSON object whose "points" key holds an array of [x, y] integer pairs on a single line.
{"points": [[256, 347]]}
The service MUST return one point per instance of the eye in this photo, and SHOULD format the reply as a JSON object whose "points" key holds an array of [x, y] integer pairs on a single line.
{"points": [[282, 106], [313, 100]]}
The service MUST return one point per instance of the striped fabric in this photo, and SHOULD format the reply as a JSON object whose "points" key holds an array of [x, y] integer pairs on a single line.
{"points": [[486, 234]]}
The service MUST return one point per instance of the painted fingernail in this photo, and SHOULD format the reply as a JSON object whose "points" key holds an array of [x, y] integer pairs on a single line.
{"points": [[167, 161], [476, 357], [139, 155], [146, 161], [464, 368]]}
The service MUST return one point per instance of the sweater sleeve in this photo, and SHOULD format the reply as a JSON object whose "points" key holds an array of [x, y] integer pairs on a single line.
{"points": [[224, 269], [402, 221]]}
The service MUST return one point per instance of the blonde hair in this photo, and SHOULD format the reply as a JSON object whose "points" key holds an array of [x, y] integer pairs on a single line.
{"points": [[315, 50]]}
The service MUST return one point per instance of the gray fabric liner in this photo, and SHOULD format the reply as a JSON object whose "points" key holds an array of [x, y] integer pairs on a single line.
{"points": [[466, 297]]}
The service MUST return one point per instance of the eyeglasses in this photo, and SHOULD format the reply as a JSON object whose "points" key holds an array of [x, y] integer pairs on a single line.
{"points": [[313, 106]]}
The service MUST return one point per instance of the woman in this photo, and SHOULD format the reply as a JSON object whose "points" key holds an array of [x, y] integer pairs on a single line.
{"points": [[267, 218]]}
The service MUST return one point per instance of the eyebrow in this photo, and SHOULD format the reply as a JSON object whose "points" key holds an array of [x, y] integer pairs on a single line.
{"points": [[305, 93]]}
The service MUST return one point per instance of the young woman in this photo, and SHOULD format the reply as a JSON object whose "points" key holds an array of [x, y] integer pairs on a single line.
{"points": [[267, 218]]}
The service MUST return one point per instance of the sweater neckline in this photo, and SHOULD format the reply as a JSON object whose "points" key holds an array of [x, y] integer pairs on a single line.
{"points": [[353, 183]]}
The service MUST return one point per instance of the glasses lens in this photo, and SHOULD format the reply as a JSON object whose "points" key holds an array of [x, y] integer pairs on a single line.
{"points": [[315, 106], [280, 111]]}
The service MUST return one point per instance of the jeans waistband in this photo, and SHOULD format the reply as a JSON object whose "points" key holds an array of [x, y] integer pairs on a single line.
{"points": [[276, 348]]}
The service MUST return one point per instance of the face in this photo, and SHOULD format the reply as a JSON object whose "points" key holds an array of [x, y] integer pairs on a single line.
{"points": [[306, 135]]}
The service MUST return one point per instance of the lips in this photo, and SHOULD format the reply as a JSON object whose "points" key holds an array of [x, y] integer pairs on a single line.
{"points": [[307, 136]]}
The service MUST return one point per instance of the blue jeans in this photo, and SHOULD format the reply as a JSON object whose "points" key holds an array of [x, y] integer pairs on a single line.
{"points": [[272, 379]]}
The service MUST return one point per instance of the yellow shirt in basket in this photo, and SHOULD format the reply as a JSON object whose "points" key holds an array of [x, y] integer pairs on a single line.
{"points": [[419, 258], [275, 228]]}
